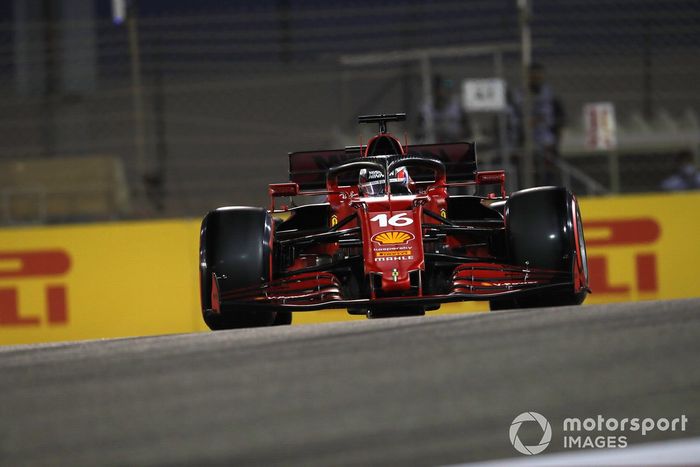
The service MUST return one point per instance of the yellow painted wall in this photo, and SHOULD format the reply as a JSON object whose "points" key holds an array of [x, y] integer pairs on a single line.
{"points": [[674, 251], [125, 279], [141, 278]]}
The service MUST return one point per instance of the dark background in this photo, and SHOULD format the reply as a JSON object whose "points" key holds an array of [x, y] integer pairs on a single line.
{"points": [[228, 88]]}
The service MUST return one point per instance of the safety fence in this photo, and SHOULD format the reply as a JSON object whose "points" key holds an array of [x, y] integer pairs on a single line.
{"points": [[201, 101]]}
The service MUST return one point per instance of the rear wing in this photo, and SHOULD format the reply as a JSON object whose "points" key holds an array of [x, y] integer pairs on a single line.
{"points": [[308, 169]]}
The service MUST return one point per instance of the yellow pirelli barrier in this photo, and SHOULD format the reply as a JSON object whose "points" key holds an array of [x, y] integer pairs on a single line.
{"points": [[95, 281], [642, 247], [140, 278]]}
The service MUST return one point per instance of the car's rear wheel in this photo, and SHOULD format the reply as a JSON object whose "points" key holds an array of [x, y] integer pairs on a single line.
{"points": [[235, 247], [544, 230]]}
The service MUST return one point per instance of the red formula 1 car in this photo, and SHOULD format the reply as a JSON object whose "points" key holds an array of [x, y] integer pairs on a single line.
{"points": [[390, 237]]}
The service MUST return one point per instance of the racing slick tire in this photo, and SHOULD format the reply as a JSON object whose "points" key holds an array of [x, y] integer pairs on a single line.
{"points": [[235, 245], [544, 230]]}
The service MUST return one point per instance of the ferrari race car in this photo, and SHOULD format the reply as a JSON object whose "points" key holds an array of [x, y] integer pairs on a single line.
{"points": [[388, 234]]}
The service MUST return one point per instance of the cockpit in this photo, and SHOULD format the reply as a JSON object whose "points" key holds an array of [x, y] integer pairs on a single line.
{"points": [[373, 183]]}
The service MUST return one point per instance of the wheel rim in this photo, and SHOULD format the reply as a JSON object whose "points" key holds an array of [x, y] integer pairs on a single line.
{"points": [[582, 255]]}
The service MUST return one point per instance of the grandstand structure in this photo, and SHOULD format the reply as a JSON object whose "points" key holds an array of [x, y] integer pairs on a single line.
{"points": [[226, 90]]}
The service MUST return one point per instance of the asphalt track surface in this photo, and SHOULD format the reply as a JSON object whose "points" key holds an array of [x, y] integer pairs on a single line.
{"points": [[407, 391]]}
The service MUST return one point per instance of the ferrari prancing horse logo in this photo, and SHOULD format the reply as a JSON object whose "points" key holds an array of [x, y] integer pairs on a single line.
{"points": [[393, 237]]}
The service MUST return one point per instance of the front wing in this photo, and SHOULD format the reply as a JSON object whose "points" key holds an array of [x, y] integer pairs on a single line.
{"points": [[322, 290]]}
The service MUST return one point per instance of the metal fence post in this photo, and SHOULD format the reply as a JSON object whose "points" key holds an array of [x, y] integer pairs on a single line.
{"points": [[136, 89], [526, 50]]}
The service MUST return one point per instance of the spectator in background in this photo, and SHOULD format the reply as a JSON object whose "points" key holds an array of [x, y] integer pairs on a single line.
{"points": [[546, 123], [450, 122], [686, 177]]}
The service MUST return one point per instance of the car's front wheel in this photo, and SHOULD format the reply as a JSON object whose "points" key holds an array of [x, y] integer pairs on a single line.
{"points": [[235, 250], [544, 230]]}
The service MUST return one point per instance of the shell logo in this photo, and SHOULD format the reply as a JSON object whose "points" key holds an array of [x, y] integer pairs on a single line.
{"points": [[392, 237]]}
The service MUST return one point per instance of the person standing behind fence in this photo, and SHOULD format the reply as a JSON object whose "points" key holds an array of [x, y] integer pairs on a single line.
{"points": [[450, 122], [546, 123], [686, 177]]}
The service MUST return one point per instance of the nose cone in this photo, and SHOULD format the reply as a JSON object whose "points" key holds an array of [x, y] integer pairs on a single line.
{"points": [[396, 281]]}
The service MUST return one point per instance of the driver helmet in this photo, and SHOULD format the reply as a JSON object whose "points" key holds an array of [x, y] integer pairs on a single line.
{"points": [[371, 182]]}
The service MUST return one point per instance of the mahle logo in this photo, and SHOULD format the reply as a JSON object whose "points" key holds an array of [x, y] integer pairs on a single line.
{"points": [[546, 433]]}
